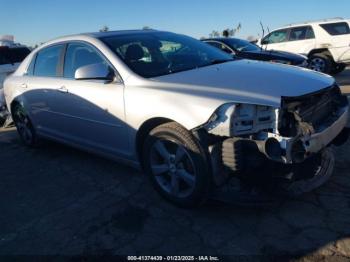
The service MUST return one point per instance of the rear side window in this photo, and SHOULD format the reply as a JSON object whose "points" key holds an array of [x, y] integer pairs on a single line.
{"points": [[78, 55], [301, 33], [47, 61], [220, 46], [336, 28]]}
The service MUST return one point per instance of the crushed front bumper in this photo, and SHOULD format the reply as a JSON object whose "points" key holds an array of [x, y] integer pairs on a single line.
{"points": [[297, 149]]}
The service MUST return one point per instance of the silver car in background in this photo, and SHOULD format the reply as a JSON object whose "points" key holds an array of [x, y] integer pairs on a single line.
{"points": [[188, 114]]}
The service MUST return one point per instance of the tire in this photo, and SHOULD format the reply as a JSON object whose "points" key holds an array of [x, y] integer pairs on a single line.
{"points": [[321, 62], [232, 155], [338, 68], [177, 165], [24, 126]]}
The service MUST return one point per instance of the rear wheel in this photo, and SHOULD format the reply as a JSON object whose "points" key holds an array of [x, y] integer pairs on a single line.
{"points": [[176, 165], [338, 68], [24, 126], [320, 62]]}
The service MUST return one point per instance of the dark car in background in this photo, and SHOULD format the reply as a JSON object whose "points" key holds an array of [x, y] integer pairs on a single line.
{"points": [[244, 49], [10, 58]]}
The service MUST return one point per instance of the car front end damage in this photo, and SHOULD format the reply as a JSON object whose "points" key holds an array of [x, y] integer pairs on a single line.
{"points": [[263, 142]]}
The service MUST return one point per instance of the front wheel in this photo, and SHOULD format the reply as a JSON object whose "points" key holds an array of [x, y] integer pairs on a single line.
{"points": [[321, 63], [24, 126], [176, 164]]}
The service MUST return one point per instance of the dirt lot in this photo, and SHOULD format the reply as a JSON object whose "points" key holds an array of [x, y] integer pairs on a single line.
{"points": [[344, 80], [58, 200]]}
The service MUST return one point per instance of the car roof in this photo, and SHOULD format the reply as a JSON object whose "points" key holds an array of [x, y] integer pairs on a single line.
{"points": [[99, 35], [121, 32], [222, 39], [118, 33], [315, 22]]}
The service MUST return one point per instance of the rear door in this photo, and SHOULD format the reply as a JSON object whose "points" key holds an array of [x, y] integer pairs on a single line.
{"points": [[39, 84], [300, 40], [340, 40]]}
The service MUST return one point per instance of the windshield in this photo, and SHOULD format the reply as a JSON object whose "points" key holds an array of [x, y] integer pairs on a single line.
{"points": [[154, 54], [13, 55], [242, 45]]}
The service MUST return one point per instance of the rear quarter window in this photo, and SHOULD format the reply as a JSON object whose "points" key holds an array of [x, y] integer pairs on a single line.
{"points": [[336, 28]]}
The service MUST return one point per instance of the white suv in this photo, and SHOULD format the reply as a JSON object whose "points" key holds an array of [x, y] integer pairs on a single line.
{"points": [[325, 42]]}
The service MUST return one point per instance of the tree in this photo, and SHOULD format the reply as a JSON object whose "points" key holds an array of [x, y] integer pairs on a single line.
{"points": [[227, 32], [251, 38], [214, 34], [231, 32], [104, 29]]}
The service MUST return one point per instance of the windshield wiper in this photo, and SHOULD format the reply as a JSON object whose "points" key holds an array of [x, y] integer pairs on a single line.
{"points": [[217, 61], [220, 61]]}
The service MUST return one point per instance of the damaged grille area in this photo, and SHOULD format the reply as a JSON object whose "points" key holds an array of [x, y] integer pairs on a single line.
{"points": [[305, 114]]}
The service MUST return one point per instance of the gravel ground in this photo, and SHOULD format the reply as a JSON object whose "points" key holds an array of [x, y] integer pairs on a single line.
{"points": [[58, 200]]}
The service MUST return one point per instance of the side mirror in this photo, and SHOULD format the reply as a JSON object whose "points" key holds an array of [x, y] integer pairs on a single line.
{"points": [[264, 41], [94, 72]]}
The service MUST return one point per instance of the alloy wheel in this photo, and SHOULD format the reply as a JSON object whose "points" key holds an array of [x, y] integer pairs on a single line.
{"points": [[23, 126], [318, 64], [173, 168]]}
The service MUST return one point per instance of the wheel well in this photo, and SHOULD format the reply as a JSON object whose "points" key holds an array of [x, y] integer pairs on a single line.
{"points": [[320, 51], [144, 130], [13, 104]]}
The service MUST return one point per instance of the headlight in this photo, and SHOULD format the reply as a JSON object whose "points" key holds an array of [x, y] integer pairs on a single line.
{"points": [[249, 119], [240, 119]]}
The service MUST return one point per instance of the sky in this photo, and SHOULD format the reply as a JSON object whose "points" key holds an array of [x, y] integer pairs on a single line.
{"points": [[33, 22]]}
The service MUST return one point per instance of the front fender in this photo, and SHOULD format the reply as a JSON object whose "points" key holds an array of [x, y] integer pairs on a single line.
{"points": [[188, 110]]}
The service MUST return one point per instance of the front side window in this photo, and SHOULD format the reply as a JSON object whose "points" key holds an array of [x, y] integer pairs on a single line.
{"points": [[47, 61], [278, 36], [160, 53], [336, 28], [79, 55]]}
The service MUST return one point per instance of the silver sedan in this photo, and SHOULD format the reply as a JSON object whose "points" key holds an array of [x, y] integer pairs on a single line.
{"points": [[186, 113]]}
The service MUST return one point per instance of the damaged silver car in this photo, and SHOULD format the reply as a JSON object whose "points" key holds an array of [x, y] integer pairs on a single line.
{"points": [[186, 113]]}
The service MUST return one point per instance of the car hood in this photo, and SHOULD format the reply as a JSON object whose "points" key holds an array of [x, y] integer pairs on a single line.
{"points": [[247, 81]]}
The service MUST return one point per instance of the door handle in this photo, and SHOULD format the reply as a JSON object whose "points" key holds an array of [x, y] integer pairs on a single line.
{"points": [[63, 89], [24, 85]]}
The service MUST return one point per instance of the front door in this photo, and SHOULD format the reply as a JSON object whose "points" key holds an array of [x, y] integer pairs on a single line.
{"points": [[90, 113]]}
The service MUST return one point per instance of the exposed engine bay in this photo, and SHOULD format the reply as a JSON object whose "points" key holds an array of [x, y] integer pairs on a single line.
{"points": [[246, 137]]}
